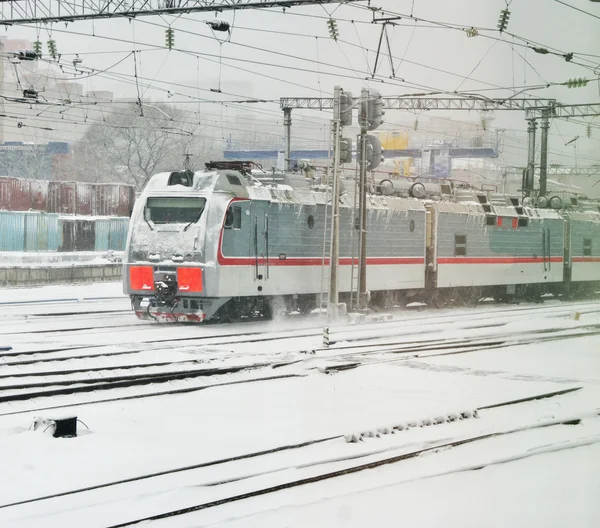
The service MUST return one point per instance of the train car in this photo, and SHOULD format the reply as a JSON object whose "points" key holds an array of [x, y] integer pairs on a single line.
{"points": [[219, 245], [582, 260], [497, 248], [214, 245]]}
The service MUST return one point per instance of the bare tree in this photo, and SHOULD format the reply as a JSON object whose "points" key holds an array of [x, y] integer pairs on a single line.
{"points": [[31, 161], [136, 142]]}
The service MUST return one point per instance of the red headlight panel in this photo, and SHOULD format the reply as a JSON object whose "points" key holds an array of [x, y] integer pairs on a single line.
{"points": [[189, 279], [141, 278]]}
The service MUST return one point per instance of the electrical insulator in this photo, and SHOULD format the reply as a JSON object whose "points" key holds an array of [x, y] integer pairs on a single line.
{"points": [[484, 124], [577, 82], [37, 48], [219, 25], [472, 32], [589, 131], [416, 125], [52, 49], [76, 60], [30, 93], [345, 150], [26, 55], [503, 19], [169, 38], [333, 29]]}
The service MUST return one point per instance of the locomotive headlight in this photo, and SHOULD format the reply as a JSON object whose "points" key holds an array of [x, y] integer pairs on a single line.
{"points": [[141, 278], [189, 279]]}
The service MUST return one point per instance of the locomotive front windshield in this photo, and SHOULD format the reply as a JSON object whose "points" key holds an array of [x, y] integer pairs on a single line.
{"points": [[174, 210]]}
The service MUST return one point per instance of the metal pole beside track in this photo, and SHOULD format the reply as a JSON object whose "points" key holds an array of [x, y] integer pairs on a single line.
{"points": [[333, 300], [544, 152], [529, 179], [287, 126]]}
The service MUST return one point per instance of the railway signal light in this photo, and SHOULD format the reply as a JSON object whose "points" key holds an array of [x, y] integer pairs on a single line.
{"points": [[346, 103], [373, 151], [371, 109], [345, 150]]}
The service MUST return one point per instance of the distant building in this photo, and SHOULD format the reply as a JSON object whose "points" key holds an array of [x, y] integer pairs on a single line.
{"points": [[51, 161]]}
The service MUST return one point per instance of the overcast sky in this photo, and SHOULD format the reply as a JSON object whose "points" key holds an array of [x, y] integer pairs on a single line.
{"points": [[272, 54]]}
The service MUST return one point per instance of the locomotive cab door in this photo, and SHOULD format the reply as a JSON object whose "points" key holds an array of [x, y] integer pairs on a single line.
{"points": [[259, 242]]}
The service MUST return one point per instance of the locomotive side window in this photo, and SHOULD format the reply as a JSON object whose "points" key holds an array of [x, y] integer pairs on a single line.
{"points": [[174, 210], [233, 217], [311, 222], [587, 247], [233, 179], [460, 245]]}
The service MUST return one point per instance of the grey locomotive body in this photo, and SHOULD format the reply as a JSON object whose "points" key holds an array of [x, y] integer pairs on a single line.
{"points": [[217, 245]]}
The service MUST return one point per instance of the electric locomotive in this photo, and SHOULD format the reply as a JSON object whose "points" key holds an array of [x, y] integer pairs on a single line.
{"points": [[218, 244]]}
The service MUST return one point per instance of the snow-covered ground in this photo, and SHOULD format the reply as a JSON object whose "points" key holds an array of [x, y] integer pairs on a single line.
{"points": [[424, 380], [45, 259]]}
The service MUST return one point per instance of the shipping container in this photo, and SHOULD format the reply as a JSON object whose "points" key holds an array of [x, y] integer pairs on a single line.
{"points": [[38, 191], [12, 228], [66, 198], [28, 231], [111, 234], [40, 231], [107, 200], [14, 194], [84, 198], [78, 234]]}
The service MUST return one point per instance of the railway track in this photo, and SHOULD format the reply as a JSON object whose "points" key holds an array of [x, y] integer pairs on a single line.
{"points": [[369, 466], [238, 478], [65, 382], [257, 336]]}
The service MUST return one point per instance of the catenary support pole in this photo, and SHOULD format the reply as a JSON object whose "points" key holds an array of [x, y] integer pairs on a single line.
{"points": [[362, 276], [333, 299], [529, 179], [545, 125], [287, 126]]}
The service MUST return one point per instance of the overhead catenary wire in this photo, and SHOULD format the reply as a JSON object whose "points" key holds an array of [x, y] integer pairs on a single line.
{"points": [[319, 67], [198, 54]]}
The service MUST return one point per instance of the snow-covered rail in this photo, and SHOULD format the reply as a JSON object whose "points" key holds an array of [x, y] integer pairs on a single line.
{"points": [[238, 478], [576, 420]]}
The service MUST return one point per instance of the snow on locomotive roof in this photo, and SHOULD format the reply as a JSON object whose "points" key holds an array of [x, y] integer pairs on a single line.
{"points": [[470, 208], [542, 213], [585, 216], [234, 182]]}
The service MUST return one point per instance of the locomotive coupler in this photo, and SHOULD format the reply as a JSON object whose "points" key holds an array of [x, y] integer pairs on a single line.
{"points": [[166, 292]]}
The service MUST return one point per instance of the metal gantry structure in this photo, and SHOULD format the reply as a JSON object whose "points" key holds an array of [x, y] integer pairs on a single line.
{"points": [[542, 109], [533, 108], [14, 12]]}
